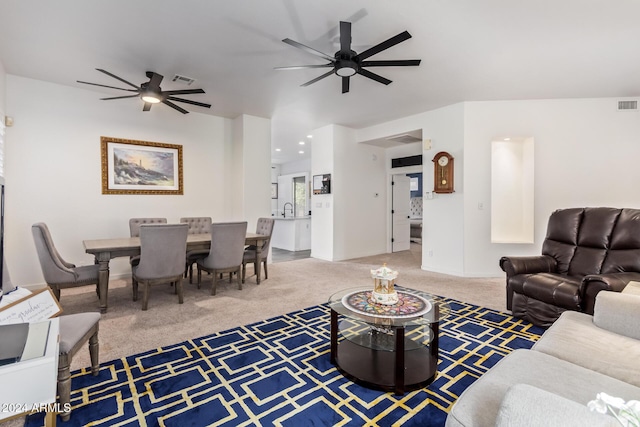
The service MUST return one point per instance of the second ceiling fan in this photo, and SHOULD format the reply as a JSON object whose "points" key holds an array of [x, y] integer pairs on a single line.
{"points": [[346, 62]]}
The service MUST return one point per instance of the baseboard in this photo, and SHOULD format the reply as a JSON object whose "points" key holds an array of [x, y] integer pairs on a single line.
{"points": [[459, 274]]}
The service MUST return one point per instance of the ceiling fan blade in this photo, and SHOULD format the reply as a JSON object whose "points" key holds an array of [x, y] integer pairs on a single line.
{"points": [[345, 36], [147, 106], [300, 67], [110, 87], [182, 92], [345, 84], [309, 49], [374, 76], [117, 78], [385, 45], [327, 74], [398, 63], [175, 107], [188, 101], [119, 97], [155, 80]]}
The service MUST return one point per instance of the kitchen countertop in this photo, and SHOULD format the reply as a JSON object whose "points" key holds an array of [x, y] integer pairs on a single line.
{"points": [[291, 218]]}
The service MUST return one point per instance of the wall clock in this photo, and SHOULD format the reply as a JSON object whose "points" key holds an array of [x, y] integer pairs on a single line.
{"points": [[443, 173]]}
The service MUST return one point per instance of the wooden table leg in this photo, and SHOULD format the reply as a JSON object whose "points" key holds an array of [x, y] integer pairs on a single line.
{"points": [[334, 336], [258, 256], [434, 346], [399, 376], [103, 280]]}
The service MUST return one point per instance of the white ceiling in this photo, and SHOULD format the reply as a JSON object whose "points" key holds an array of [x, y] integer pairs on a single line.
{"points": [[471, 50]]}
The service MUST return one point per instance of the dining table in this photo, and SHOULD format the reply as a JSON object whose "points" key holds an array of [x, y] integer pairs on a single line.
{"points": [[105, 250]]}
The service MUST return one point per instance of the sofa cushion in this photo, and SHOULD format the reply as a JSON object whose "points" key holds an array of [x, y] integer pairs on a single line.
{"points": [[624, 251], [551, 288], [479, 403], [618, 313], [575, 338], [525, 405]]}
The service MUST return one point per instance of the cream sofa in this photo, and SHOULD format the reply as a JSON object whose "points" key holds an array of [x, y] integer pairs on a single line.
{"points": [[578, 357]]}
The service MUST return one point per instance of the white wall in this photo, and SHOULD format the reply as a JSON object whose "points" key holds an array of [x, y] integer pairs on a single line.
{"points": [[359, 188], [275, 172], [53, 170], [3, 91], [295, 167], [443, 231], [404, 150], [3, 86], [586, 154], [256, 169], [322, 217], [344, 222]]}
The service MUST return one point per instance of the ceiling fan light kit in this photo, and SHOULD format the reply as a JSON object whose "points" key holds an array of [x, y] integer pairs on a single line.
{"points": [[151, 98], [347, 63], [346, 68]]}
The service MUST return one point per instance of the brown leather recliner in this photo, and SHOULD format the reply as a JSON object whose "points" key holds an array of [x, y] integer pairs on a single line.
{"points": [[586, 250]]}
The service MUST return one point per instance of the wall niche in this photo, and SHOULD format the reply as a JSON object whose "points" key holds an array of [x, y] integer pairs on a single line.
{"points": [[512, 182]]}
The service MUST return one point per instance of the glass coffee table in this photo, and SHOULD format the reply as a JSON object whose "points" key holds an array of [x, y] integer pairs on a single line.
{"points": [[387, 347]]}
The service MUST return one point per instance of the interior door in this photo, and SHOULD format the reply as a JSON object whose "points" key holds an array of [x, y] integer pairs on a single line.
{"points": [[400, 225]]}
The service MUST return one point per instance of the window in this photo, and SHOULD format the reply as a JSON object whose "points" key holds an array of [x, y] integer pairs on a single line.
{"points": [[300, 196]]}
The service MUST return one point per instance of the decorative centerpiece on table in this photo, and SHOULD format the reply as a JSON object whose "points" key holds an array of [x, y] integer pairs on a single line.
{"points": [[384, 280], [383, 301]]}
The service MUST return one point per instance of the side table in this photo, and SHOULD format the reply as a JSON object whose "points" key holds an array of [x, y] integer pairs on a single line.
{"points": [[30, 385]]}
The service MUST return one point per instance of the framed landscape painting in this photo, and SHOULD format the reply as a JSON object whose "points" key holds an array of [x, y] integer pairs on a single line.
{"points": [[140, 167]]}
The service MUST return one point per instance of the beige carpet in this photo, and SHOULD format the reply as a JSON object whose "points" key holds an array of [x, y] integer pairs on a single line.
{"points": [[125, 329]]}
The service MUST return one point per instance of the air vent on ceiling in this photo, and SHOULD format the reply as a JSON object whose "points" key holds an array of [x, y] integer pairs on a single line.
{"points": [[403, 139], [183, 79], [627, 105]]}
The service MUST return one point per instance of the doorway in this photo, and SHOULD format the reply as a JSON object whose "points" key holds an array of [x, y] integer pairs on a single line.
{"points": [[400, 224]]}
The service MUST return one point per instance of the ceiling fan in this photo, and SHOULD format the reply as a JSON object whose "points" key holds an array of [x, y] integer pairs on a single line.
{"points": [[151, 93], [346, 62]]}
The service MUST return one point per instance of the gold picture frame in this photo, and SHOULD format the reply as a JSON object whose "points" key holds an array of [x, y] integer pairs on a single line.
{"points": [[140, 167]]}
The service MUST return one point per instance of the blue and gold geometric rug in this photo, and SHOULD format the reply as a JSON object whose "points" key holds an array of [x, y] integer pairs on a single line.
{"points": [[277, 372]]}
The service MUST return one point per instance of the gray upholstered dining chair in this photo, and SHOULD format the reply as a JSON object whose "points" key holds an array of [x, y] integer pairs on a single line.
{"points": [[58, 273], [162, 251], [225, 254], [134, 231], [197, 225], [265, 228], [75, 331], [135, 223]]}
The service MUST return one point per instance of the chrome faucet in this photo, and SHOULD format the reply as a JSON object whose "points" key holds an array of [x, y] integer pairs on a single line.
{"points": [[284, 209]]}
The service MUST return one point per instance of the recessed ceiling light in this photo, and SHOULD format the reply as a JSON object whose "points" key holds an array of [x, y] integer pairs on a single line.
{"points": [[309, 136], [507, 139], [301, 142], [301, 152], [278, 149]]}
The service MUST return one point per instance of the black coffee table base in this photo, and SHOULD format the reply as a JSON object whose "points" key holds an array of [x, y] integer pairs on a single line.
{"points": [[397, 371]]}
